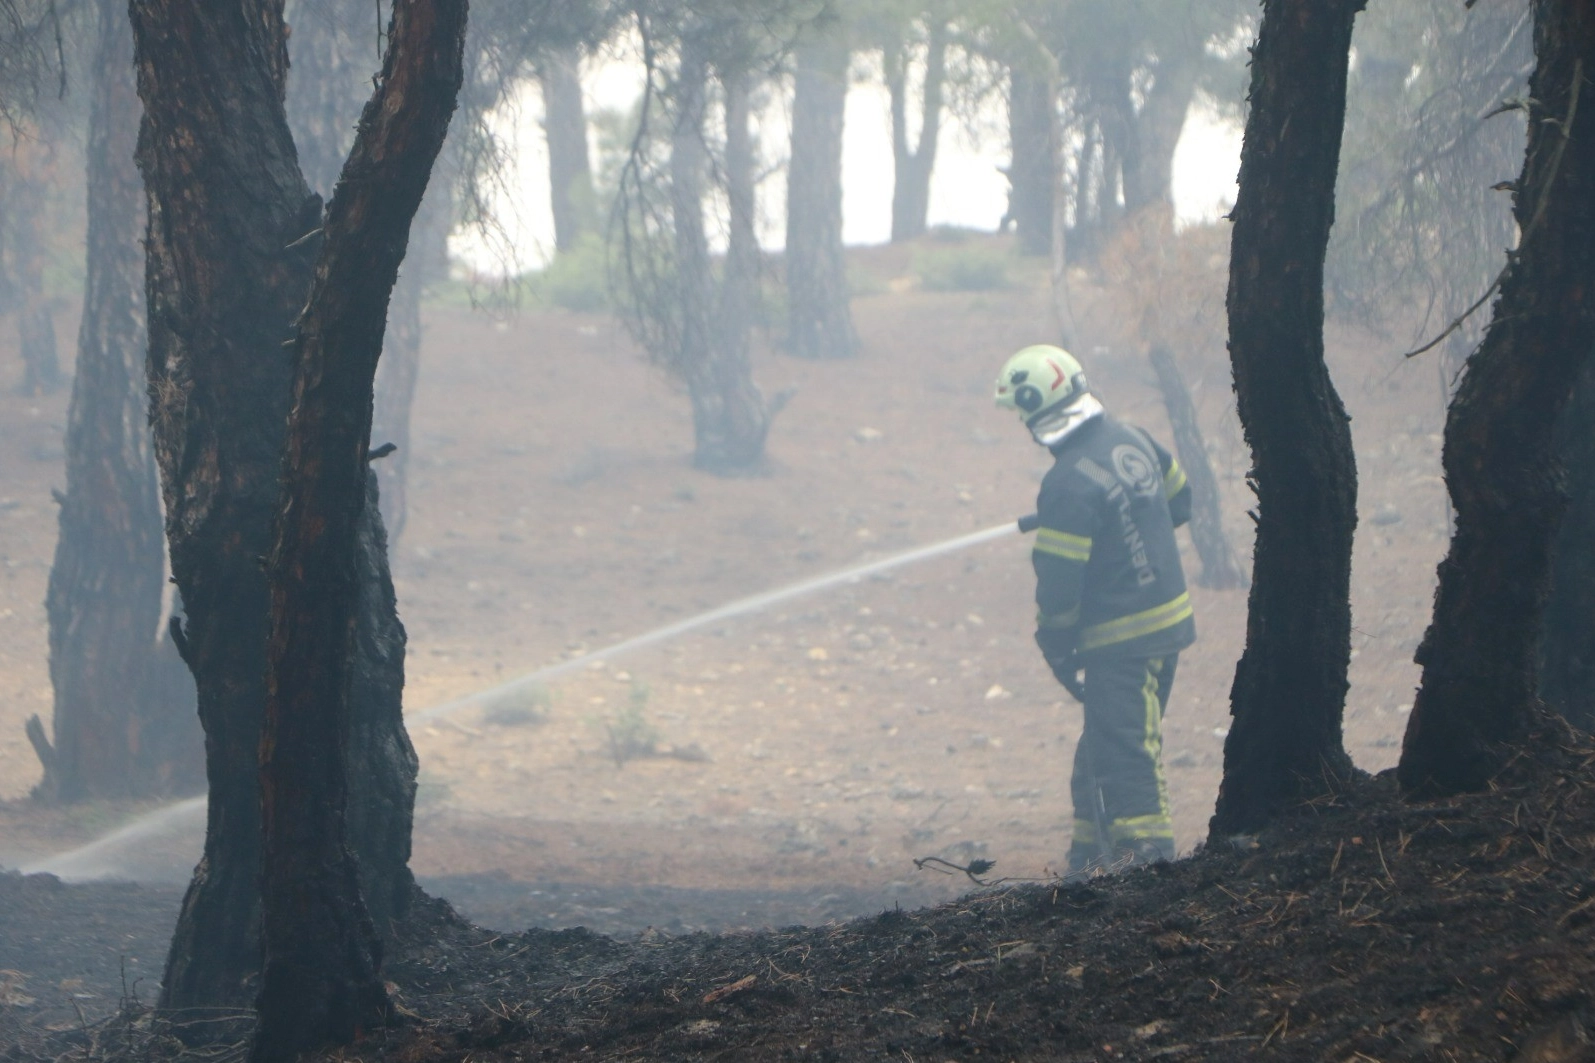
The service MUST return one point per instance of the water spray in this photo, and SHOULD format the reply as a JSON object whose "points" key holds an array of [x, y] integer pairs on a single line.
{"points": [[107, 855], [731, 610]]}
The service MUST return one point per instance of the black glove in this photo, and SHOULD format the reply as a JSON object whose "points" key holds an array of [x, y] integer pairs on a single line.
{"points": [[1057, 646]]}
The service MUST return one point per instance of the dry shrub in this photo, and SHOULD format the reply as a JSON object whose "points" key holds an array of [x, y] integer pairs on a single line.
{"points": [[1166, 286]]}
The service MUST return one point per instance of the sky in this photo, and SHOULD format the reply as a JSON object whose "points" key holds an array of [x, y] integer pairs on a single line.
{"points": [[967, 189]]}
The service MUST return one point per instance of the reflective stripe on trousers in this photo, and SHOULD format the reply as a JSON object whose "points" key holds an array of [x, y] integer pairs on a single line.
{"points": [[1122, 744]]}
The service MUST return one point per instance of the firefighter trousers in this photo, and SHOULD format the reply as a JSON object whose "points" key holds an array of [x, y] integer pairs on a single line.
{"points": [[1118, 783]]}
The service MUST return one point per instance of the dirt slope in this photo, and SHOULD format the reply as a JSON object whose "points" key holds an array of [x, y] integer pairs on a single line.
{"points": [[1366, 931], [1363, 930]]}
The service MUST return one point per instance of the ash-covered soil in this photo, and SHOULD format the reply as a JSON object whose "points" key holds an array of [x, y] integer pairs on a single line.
{"points": [[625, 910], [1364, 929]]}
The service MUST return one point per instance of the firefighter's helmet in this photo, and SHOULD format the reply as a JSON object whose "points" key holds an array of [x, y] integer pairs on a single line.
{"points": [[1048, 389]]}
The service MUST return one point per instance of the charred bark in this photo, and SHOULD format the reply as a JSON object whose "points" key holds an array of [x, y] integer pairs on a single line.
{"points": [[569, 167], [328, 86], [912, 167], [1479, 693], [228, 266], [119, 731], [225, 275], [729, 417], [1220, 570], [1284, 745], [382, 762], [320, 981], [1567, 647], [820, 316], [1032, 178]]}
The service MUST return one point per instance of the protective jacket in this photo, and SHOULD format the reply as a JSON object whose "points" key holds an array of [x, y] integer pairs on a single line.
{"points": [[1107, 565]]}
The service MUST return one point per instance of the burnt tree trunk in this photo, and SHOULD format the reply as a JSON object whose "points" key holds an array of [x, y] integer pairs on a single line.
{"points": [[228, 267], [328, 85], [382, 762], [1285, 745], [1479, 695], [320, 982], [224, 286], [820, 316], [1032, 180], [119, 730], [729, 417], [1567, 646], [1220, 570], [912, 167], [569, 168]]}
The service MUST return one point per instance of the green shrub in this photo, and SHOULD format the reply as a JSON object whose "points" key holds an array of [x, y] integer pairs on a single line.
{"points": [[576, 280], [962, 268], [630, 733], [952, 234], [863, 282]]}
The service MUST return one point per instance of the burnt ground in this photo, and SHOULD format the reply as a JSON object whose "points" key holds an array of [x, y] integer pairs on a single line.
{"points": [[1363, 929]]}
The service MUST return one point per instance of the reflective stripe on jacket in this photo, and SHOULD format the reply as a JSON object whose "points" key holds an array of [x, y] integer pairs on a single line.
{"points": [[1107, 566]]}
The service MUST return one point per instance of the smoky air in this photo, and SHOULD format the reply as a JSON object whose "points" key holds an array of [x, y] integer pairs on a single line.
{"points": [[776, 528]]}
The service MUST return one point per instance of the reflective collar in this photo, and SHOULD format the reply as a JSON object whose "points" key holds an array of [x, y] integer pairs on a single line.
{"points": [[1053, 426]]}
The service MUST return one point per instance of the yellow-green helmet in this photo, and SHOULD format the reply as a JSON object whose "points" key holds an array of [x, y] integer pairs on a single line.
{"points": [[1047, 388]]}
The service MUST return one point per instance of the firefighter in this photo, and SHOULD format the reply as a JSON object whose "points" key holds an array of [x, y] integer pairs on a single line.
{"points": [[1111, 600]]}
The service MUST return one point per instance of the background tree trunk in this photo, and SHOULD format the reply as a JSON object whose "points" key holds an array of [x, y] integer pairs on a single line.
{"points": [[1479, 657], [119, 731], [1084, 236], [569, 169], [425, 264], [729, 418], [1567, 645], [1157, 130], [1031, 177], [1108, 90], [227, 272], [820, 321], [1220, 570], [913, 167], [332, 51], [739, 287], [1290, 686], [320, 982], [41, 367]]}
